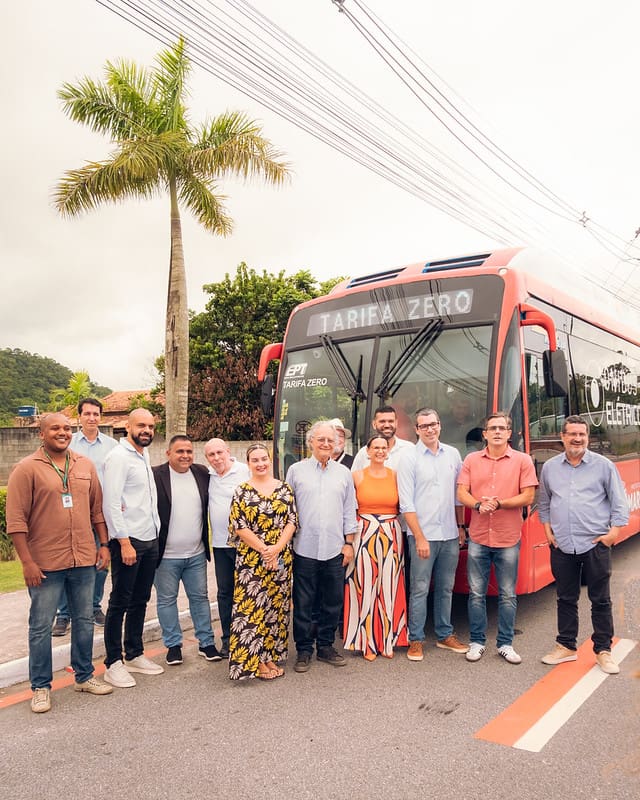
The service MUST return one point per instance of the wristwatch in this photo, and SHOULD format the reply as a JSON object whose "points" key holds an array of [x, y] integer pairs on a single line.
{"points": [[477, 506]]}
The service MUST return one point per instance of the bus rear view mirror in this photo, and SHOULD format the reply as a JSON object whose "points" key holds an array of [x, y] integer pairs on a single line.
{"points": [[266, 396], [556, 376]]}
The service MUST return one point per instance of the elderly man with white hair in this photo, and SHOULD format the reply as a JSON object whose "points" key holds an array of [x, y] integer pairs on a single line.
{"points": [[326, 502]]}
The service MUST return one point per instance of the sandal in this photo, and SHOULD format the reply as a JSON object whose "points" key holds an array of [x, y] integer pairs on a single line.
{"points": [[266, 675]]}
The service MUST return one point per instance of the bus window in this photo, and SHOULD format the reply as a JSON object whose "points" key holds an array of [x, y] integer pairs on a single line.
{"points": [[451, 376], [321, 383]]}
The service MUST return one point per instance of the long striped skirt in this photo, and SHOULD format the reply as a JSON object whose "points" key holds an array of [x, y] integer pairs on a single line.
{"points": [[375, 604]]}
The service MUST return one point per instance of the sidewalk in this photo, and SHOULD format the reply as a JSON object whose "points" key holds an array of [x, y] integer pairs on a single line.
{"points": [[14, 645]]}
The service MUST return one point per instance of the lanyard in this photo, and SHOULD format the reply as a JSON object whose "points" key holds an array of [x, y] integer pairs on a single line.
{"points": [[64, 476]]}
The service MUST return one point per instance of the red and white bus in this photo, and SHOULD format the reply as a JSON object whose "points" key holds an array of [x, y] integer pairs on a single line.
{"points": [[466, 336]]}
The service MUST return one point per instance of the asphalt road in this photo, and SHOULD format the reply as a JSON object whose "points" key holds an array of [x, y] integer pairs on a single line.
{"points": [[386, 729]]}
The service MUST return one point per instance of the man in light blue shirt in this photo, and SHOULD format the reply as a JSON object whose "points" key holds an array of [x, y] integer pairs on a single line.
{"points": [[427, 476], [93, 444], [326, 502], [130, 505], [582, 505]]}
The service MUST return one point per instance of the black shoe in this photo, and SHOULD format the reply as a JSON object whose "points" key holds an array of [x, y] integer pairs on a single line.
{"points": [[61, 627], [224, 651], [331, 656], [98, 618], [303, 662], [210, 652], [174, 655]]}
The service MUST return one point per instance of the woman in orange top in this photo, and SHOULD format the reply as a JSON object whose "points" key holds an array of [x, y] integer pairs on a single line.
{"points": [[375, 607]]}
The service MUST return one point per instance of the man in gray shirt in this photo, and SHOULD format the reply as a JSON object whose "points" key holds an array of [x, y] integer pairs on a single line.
{"points": [[326, 502], [582, 505]]}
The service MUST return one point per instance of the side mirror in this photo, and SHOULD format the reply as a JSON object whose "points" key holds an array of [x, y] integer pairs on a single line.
{"points": [[556, 376], [266, 396]]}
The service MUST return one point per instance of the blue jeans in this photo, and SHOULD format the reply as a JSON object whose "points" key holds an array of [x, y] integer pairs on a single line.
{"points": [[442, 563], [224, 559], [78, 583], [98, 592], [313, 579], [193, 574], [130, 593], [505, 563]]}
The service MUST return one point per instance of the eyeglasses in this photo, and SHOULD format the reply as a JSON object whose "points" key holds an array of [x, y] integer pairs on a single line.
{"points": [[493, 428], [426, 425]]}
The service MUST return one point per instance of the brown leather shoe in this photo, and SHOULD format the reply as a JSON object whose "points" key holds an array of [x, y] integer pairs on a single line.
{"points": [[453, 643], [414, 653]]}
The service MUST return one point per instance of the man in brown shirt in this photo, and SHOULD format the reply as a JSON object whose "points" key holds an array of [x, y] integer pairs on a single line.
{"points": [[53, 499]]}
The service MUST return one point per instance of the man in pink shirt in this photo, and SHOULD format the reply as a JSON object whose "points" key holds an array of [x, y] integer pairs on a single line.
{"points": [[496, 483]]}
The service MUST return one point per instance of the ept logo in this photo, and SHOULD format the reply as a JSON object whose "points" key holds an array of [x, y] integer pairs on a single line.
{"points": [[296, 371]]}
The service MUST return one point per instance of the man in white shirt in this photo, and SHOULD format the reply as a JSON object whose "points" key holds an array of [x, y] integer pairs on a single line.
{"points": [[93, 444], [183, 506], [225, 474], [130, 509]]}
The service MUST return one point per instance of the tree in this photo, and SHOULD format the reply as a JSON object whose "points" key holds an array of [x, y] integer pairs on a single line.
{"points": [[242, 315], [246, 312], [79, 386], [226, 402], [158, 151], [27, 379]]}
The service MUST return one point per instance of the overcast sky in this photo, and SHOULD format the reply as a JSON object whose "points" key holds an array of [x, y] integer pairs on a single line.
{"points": [[555, 85]]}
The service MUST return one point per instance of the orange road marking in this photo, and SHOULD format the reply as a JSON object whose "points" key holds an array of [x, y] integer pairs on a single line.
{"points": [[62, 682], [518, 719]]}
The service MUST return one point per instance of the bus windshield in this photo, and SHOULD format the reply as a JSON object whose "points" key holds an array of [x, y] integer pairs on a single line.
{"points": [[442, 368]]}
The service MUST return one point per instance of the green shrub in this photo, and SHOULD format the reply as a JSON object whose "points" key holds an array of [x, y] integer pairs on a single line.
{"points": [[7, 553]]}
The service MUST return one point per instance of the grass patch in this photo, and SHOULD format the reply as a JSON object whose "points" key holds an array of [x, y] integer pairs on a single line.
{"points": [[11, 577]]}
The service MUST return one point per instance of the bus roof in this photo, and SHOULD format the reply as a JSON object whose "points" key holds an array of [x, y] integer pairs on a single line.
{"points": [[537, 272]]}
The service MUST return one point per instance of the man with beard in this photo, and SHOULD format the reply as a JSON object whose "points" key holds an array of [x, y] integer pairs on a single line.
{"points": [[130, 509], [582, 505], [385, 423], [53, 500]]}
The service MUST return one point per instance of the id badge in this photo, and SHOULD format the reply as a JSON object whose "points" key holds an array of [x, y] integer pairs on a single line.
{"points": [[67, 501]]}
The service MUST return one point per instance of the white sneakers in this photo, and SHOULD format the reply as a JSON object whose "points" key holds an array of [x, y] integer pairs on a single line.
{"points": [[119, 674], [475, 651], [144, 665], [509, 654]]}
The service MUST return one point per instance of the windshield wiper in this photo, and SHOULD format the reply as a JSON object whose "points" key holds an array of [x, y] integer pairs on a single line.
{"points": [[398, 372], [342, 368]]}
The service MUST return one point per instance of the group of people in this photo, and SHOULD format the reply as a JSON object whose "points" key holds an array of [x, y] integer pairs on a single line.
{"points": [[352, 548]]}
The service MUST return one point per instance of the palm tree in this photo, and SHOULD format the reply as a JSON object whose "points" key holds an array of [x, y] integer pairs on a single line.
{"points": [[157, 151], [79, 386]]}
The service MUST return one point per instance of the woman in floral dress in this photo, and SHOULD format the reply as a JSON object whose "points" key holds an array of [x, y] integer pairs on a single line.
{"points": [[261, 523]]}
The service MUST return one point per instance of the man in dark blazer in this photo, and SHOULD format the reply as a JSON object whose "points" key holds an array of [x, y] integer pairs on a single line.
{"points": [[183, 506]]}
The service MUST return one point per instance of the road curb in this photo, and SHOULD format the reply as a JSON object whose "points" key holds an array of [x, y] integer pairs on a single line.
{"points": [[17, 671]]}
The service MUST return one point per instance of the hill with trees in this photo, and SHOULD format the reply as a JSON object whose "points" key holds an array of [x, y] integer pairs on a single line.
{"points": [[31, 379]]}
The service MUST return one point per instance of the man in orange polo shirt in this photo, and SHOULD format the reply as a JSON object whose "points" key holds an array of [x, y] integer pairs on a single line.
{"points": [[54, 501], [496, 483]]}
